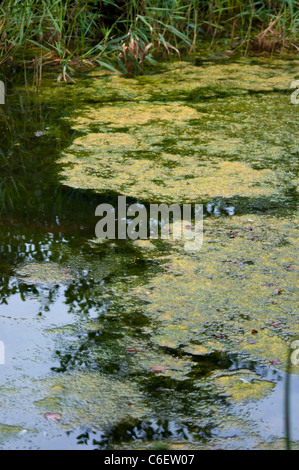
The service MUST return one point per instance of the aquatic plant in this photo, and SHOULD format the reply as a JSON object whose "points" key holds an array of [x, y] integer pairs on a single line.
{"points": [[132, 55], [82, 33]]}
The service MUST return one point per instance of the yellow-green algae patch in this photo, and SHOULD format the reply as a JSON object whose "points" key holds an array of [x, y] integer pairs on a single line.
{"points": [[49, 403], [220, 135], [176, 141], [134, 115], [112, 141], [144, 244], [6, 429], [44, 273], [238, 293], [189, 181], [242, 386], [181, 77], [92, 399]]}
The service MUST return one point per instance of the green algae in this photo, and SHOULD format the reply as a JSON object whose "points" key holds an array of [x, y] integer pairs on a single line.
{"points": [[92, 399], [141, 178], [189, 149], [44, 273], [6, 429], [144, 244], [188, 134], [242, 386], [113, 141], [49, 404], [230, 287], [134, 115], [214, 132], [179, 78]]}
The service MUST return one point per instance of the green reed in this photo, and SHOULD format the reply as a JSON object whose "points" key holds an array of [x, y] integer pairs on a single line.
{"points": [[83, 32]]}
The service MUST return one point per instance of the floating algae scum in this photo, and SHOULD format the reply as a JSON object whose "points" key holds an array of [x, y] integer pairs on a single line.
{"points": [[130, 344]]}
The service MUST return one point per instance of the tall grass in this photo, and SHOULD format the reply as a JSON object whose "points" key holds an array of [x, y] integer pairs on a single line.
{"points": [[73, 33]]}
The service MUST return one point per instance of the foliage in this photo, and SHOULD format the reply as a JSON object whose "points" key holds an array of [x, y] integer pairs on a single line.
{"points": [[116, 33]]}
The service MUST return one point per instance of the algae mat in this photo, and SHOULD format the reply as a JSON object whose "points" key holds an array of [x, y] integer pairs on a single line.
{"points": [[238, 293], [225, 135], [189, 134], [128, 343], [172, 144]]}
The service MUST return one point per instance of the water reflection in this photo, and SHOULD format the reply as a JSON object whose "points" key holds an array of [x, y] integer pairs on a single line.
{"points": [[151, 430], [88, 322]]}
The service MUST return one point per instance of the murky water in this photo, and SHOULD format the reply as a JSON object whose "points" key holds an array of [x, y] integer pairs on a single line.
{"points": [[139, 345]]}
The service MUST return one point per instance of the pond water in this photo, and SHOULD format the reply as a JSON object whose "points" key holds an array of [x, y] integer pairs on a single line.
{"points": [[144, 345]]}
